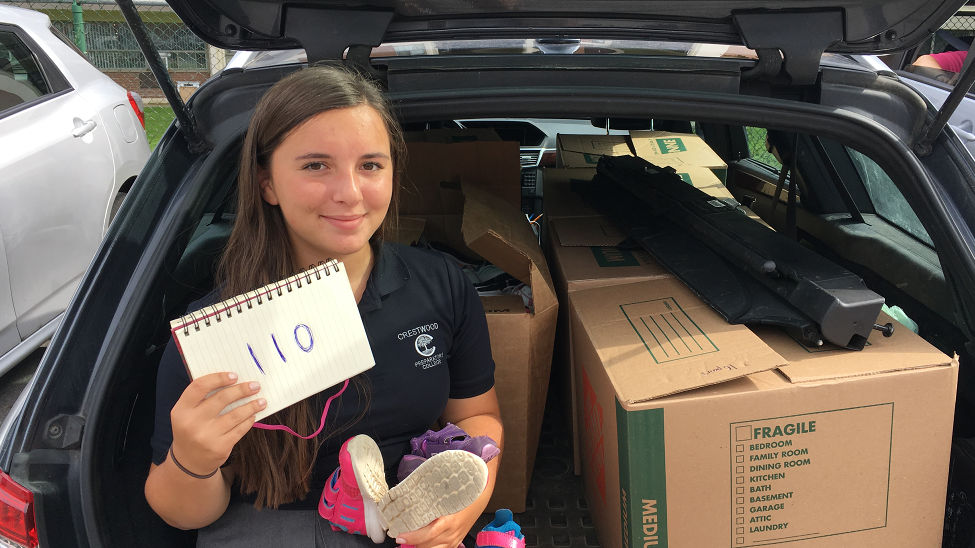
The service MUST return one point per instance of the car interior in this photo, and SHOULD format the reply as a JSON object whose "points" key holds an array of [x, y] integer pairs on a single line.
{"points": [[844, 206], [18, 83]]}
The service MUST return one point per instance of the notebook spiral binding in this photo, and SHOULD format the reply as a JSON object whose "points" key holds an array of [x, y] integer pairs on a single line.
{"points": [[215, 313]]}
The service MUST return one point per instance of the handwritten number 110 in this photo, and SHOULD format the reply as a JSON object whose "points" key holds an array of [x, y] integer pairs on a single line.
{"points": [[304, 346]]}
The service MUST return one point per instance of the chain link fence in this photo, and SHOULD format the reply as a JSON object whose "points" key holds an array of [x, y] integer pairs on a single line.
{"points": [[960, 27], [758, 147], [99, 30]]}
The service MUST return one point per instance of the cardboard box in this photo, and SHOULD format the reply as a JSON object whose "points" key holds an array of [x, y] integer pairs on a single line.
{"points": [[704, 179], [187, 89], [407, 231], [585, 150], [474, 218], [491, 165], [838, 448], [558, 199], [583, 253], [678, 150]]}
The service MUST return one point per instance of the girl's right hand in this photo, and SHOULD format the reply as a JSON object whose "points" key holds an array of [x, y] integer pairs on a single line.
{"points": [[202, 437]]}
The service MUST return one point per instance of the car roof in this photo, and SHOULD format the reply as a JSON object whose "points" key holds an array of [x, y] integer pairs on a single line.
{"points": [[23, 17], [71, 64]]}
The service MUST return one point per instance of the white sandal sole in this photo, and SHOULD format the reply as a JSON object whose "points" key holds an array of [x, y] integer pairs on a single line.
{"points": [[444, 484]]}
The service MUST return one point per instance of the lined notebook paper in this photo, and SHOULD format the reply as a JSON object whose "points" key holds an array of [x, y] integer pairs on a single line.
{"points": [[296, 337]]}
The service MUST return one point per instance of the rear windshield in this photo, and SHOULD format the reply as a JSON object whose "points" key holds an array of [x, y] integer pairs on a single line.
{"points": [[560, 46], [563, 46]]}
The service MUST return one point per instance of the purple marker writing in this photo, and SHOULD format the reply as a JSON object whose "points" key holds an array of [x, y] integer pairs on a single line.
{"points": [[251, 350], [311, 340]]}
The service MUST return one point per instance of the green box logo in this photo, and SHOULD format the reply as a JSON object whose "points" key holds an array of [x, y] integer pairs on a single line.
{"points": [[686, 177], [671, 145], [613, 256], [643, 477], [666, 330]]}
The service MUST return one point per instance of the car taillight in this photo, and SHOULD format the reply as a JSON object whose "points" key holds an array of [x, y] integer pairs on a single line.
{"points": [[16, 514], [135, 101]]}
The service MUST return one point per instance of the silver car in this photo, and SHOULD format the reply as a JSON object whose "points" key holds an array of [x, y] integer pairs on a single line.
{"points": [[72, 142]]}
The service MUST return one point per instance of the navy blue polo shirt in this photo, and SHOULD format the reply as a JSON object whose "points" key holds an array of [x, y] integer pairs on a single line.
{"points": [[426, 326]]}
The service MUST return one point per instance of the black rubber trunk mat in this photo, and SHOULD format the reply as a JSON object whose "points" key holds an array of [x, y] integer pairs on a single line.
{"points": [[556, 513]]}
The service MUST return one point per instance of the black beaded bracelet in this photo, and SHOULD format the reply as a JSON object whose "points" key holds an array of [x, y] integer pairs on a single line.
{"points": [[186, 471]]}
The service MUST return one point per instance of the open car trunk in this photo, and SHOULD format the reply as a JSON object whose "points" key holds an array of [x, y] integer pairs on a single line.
{"points": [[82, 446], [183, 217]]}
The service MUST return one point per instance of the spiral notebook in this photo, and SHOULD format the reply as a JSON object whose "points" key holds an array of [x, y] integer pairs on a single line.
{"points": [[296, 337]]}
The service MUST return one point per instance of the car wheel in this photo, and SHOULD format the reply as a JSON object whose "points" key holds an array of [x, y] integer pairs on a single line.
{"points": [[116, 204]]}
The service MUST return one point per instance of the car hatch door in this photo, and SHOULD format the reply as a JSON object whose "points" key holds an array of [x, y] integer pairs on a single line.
{"points": [[863, 26]]}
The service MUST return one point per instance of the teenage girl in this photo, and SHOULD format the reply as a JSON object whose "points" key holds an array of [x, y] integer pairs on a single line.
{"points": [[319, 176]]}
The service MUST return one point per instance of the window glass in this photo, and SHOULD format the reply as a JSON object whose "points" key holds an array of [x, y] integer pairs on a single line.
{"points": [[758, 148], [21, 79], [887, 199], [67, 41], [562, 46]]}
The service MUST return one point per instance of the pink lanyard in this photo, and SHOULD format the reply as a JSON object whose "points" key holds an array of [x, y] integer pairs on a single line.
{"points": [[320, 426]]}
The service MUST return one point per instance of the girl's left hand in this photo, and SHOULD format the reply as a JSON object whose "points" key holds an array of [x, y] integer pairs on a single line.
{"points": [[478, 416], [443, 532]]}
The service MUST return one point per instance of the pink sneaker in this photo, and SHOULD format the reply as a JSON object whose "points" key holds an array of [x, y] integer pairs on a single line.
{"points": [[349, 499], [502, 532]]}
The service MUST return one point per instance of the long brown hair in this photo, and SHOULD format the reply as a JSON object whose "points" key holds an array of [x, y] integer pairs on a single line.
{"points": [[275, 466]]}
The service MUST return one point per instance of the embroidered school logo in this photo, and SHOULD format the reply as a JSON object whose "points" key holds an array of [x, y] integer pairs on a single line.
{"points": [[422, 345]]}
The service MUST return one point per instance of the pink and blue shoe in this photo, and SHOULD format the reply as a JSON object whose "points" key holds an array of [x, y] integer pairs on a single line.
{"points": [[350, 499], [357, 500], [502, 532]]}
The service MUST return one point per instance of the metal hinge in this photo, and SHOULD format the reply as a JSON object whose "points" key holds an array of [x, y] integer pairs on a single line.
{"points": [[326, 33], [64, 431], [784, 53]]}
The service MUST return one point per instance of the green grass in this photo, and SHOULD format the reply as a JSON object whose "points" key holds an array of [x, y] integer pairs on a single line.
{"points": [[158, 119]]}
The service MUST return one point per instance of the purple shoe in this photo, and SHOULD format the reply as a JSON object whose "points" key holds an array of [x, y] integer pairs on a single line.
{"points": [[450, 437]]}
